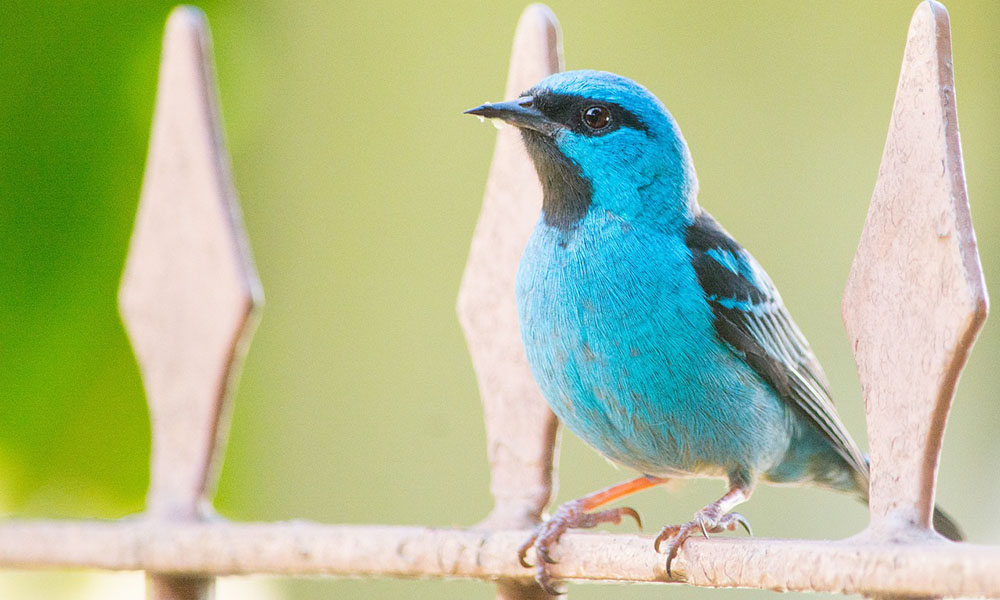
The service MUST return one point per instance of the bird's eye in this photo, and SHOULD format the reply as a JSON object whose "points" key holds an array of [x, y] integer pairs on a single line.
{"points": [[597, 117]]}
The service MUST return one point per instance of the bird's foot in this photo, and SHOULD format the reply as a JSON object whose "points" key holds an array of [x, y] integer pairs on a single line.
{"points": [[570, 515], [707, 520]]}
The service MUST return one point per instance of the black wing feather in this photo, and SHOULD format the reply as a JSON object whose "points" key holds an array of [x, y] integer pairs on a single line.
{"points": [[751, 318]]}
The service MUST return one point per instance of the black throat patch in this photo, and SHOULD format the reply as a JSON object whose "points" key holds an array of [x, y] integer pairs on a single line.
{"points": [[566, 195]]}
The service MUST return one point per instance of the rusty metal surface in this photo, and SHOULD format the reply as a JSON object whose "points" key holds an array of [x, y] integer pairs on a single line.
{"points": [[914, 303], [520, 428], [928, 568], [189, 285], [915, 299]]}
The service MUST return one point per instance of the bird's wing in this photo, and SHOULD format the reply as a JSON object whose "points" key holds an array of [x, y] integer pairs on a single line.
{"points": [[752, 319]]}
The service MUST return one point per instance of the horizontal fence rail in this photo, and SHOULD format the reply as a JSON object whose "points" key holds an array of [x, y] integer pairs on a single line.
{"points": [[914, 304], [304, 548]]}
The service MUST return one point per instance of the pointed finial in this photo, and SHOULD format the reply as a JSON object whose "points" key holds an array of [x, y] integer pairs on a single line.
{"points": [[189, 285], [520, 428], [916, 298]]}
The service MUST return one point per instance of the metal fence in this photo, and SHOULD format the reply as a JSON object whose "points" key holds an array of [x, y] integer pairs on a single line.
{"points": [[913, 306]]}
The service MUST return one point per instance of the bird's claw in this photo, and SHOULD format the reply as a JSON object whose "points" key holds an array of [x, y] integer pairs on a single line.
{"points": [[568, 516], [706, 521], [731, 520], [676, 534], [543, 553], [522, 551], [548, 583], [625, 510]]}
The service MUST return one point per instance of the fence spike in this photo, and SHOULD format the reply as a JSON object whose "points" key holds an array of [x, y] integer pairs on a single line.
{"points": [[520, 428], [189, 287], [915, 298]]}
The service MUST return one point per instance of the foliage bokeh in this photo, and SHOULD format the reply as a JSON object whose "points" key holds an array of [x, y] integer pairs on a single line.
{"points": [[360, 184]]}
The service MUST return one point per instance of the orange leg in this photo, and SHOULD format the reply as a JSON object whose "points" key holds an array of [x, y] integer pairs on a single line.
{"points": [[576, 514], [618, 491]]}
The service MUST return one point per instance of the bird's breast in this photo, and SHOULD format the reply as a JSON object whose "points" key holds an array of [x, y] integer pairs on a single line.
{"points": [[615, 329]]}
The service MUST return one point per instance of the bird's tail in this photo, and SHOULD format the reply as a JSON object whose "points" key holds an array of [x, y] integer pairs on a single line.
{"points": [[943, 523], [947, 526]]}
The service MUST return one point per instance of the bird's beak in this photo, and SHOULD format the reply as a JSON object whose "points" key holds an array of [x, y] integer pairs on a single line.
{"points": [[519, 113]]}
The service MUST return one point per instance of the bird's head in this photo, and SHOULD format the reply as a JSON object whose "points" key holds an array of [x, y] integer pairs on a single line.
{"points": [[599, 140]]}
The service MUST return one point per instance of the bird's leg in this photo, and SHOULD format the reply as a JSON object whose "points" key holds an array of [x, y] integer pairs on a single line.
{"points": [[575, 515], [714, 518]]}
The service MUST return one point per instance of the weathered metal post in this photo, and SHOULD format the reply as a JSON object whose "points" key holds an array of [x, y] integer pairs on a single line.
{"points": [[916, 298], [520, 428], [913, 306], [189, 288]]}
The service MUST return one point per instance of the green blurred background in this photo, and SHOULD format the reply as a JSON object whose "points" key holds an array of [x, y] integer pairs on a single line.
{"points": [[360, 183]]}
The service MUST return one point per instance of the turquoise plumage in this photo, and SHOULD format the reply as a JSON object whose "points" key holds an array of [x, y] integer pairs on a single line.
{"points": [[652, 334]]}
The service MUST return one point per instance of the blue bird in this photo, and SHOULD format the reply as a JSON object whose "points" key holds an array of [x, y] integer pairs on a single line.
{"points": [[653, 335]]}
